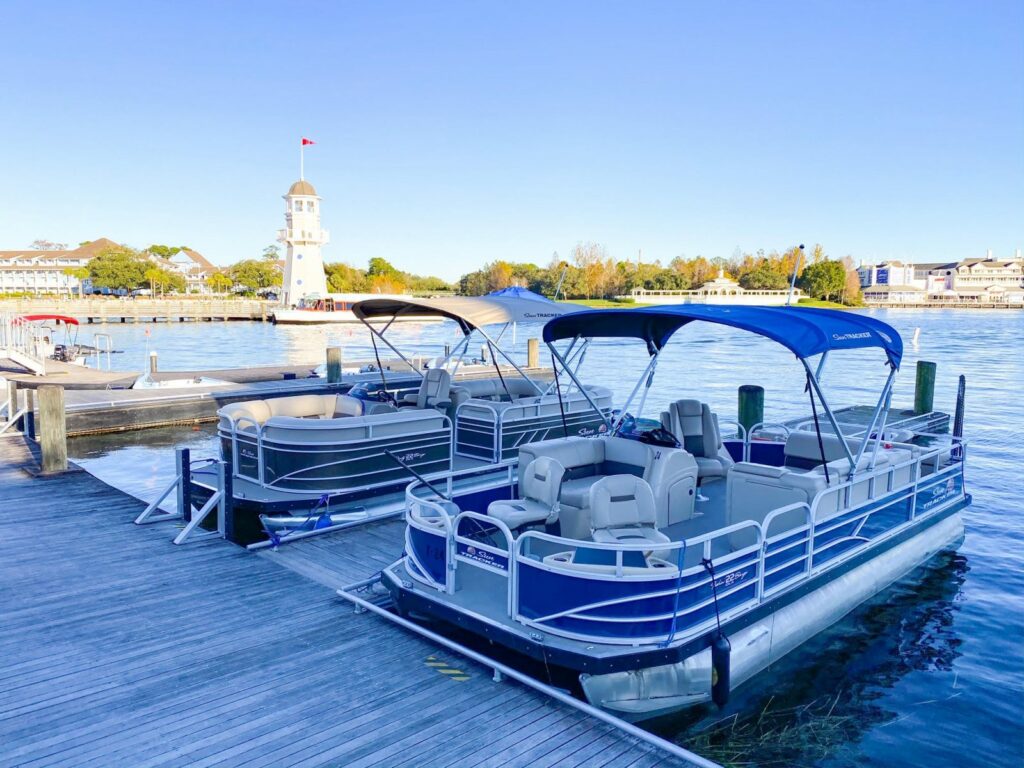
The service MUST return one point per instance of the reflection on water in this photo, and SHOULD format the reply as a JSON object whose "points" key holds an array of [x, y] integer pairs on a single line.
{"points": [[928, 675], [816, 704]]}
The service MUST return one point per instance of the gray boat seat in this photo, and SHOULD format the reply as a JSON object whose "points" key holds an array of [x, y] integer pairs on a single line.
{"points": [[538, 491], [434, 390], [622, 511], [694, 424]]}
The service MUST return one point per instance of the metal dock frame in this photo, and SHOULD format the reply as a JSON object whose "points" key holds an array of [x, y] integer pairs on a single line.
{"points": [[220, 500], [502, 670]]}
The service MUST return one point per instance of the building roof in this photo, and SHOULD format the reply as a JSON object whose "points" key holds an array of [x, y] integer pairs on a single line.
{"points": [[301, 187]]}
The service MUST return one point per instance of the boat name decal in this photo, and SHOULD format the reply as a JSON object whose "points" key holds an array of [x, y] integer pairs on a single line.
{"points": [[850, 336], [483, 556], [730, 578], [411, 456]]}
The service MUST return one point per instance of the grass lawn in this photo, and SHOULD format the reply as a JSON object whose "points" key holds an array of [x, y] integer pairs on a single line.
{"points": [[822, 303], [603, 303]]}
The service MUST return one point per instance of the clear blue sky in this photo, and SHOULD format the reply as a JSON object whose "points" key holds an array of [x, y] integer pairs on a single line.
{"points": [[450, 134]]}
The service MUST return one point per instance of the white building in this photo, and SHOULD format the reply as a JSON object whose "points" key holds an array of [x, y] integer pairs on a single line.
{"points": [[988, 280], [303, 265], [43, 272], [195, 268], [721, 290]]}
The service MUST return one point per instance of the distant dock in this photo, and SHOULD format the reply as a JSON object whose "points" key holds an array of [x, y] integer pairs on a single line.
{"points": [[125, 310], [122, 649]]}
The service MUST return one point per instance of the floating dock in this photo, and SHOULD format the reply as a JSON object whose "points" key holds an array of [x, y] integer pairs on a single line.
{"points": [[122, 649]]}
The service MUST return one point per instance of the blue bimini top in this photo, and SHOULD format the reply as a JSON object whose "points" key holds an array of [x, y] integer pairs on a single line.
{"points": [[805, 332]]}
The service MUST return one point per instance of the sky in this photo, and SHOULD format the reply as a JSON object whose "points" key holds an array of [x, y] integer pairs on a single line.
{"points": [[453, 134]]}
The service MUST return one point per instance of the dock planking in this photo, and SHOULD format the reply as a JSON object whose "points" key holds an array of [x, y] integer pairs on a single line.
{"points": [[122, 649]]}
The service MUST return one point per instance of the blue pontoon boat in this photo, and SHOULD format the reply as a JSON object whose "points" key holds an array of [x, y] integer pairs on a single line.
{"points": [[658, 568]]}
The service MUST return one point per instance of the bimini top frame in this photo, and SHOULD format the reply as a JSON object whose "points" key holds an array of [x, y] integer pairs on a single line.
{"points": [[805, 332], [471, 313]]}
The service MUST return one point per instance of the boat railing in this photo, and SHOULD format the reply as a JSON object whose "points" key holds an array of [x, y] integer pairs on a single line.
{"points": [[672, 595], [244, 430]]}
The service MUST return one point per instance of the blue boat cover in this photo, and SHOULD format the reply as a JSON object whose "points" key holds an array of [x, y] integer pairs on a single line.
{"points": [[805, 332], [518, 292]]}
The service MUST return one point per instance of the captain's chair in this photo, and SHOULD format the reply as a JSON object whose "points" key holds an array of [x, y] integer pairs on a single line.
{"points": [[622, 510], [538, 489], [697, 427], [434, 391]]}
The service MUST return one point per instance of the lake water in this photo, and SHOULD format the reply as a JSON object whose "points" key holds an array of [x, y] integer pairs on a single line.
{"points": [[930, 674]]}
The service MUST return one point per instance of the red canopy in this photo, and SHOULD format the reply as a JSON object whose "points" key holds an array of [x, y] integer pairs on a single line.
{"points": [[36, 318]]}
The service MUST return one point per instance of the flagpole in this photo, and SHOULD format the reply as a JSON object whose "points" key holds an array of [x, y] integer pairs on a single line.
{"points": [[302, 160]]}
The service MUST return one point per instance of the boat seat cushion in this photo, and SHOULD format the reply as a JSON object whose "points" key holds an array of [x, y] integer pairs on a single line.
{"points": [[618, 501], [348, 406], [249, 411], [515, 513], [434, 390], [303, 406], [696, 426]]}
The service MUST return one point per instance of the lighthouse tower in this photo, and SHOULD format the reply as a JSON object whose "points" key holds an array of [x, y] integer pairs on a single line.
{"points": [[303, 265]]}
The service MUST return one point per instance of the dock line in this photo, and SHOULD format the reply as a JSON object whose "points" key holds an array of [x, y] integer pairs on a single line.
{"points": [[500, 669]]}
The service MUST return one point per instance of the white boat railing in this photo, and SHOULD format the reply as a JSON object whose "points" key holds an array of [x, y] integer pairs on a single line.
{"points": [[800, 548]]}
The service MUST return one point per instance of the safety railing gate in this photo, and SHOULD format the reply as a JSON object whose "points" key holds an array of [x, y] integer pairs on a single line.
{"points": [[193, 518]]}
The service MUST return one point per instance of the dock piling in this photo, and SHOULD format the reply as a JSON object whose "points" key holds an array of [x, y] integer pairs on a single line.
{"points": [[750, 410], [152, 361], [924, 387], [334, 365], [30, 414], [54, 429], [533, 353]]}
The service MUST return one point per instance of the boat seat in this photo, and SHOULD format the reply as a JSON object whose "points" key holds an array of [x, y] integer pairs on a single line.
{"points": [[697, 427], [538, 502], [434, 390], [622, 510]]}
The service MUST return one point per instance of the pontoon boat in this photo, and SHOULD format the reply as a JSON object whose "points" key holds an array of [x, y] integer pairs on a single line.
{"points": [[653, 569], [331, 450]]}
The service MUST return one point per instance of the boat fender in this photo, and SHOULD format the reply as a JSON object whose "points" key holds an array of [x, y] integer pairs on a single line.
{"points": [[721, 648]]}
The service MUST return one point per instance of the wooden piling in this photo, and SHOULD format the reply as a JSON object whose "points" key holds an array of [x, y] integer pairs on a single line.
{"points": [[750, 408], [334, 365], [152, 361], [924, 387], [533, 353], [53, 429]]}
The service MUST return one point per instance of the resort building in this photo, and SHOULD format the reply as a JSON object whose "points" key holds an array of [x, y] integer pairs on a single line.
{"points": [[39, 272], [971, 281], [43, 272], [721, 290]]}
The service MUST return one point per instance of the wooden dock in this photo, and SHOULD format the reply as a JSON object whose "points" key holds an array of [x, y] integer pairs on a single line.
{"points": [[142, 310], [121, 649]]}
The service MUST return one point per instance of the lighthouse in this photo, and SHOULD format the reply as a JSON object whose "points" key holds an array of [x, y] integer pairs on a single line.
{"points": [[303, 238]]}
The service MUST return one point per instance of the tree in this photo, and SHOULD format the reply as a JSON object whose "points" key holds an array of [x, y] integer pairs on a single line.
{"points": [[79, 274], [46, 245], [164, 251], [219, 282], [823, 280], [253, 275], [764, 277], [271, 253], [117, 268], [342, 278]]}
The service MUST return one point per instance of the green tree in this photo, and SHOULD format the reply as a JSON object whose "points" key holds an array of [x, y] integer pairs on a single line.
{"points": [[254, 275], [79, 274], [343, 278], [219, 282], [164, 251], [764, 277], [118, 268], [271, 253], [824, 279]]}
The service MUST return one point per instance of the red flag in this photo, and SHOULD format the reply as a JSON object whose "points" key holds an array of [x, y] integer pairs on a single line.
{"points": [[306, 141]]}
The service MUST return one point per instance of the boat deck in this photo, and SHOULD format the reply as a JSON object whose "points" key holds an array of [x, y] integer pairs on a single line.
{"points": [[122, 649]]}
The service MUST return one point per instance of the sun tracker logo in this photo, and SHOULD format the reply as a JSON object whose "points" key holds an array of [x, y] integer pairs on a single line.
{"points": [[850, 336]]}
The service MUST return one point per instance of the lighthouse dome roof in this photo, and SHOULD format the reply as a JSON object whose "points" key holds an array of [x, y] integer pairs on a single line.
{"points": [[301, 187]]}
